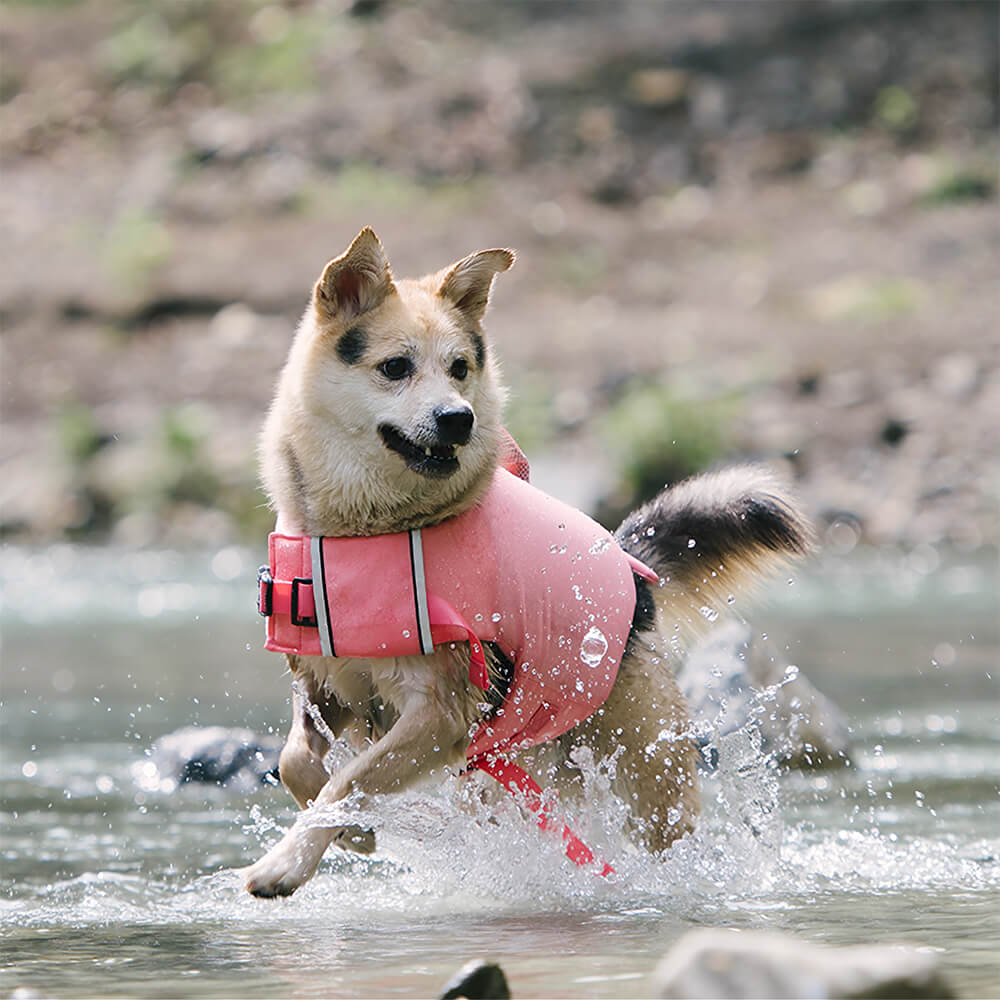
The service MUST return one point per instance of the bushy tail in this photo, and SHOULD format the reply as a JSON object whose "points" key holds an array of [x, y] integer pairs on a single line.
{"points": [[711, 538]]}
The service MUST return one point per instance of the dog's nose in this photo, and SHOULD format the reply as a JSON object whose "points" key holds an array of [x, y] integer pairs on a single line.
{"points": [[454, 425]]}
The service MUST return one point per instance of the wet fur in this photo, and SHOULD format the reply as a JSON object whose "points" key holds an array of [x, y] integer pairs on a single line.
{"points": [[328, 471]]}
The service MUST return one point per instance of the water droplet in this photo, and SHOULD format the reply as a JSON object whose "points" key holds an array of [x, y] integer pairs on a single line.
{"points": [[579, 685], [496, 616], [594, 647], [791, 671], [731, 599], [576, 593], [406, 633], [709, 613], [691, 543], [650, 532]]}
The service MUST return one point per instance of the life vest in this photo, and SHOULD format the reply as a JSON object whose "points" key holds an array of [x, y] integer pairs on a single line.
{"points": [[521, 569], [548, 585]]}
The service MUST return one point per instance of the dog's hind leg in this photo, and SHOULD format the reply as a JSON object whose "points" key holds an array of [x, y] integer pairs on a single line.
{"points": [[642, 731], [707, 538]]}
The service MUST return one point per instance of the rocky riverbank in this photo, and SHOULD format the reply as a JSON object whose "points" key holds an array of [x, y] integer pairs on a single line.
{"points": [[762, 231]]}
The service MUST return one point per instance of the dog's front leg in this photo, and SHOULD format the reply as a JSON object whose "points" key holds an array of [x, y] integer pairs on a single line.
{"points": [[420, 740]]}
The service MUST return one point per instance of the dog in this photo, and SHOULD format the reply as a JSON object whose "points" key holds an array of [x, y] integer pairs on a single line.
{"points": [[387, 420]]}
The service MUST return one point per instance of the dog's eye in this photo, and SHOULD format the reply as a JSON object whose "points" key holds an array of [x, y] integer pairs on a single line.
{"points": [[396, 368], [459, 368]]}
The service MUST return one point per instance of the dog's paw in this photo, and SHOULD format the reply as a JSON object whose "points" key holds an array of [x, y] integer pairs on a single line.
{"points": [[290, 863]]}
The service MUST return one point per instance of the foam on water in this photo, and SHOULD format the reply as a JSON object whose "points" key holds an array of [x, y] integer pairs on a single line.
{"points": [[443, 851]]}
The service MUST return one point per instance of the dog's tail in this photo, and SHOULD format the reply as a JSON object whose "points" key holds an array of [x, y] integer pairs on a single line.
{"points": [[711, 538]]}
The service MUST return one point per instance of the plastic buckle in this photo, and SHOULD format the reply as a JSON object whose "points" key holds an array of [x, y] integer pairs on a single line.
{"points": [[296, 619], [265, 591]]}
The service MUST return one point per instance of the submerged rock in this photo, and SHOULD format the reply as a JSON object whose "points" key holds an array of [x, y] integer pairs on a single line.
{"points": [[477, 980], [214, 755], [733, 680], [718, 963]]}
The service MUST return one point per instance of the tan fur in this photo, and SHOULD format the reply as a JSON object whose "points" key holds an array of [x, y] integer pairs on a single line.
{"points": [[328, 472]]}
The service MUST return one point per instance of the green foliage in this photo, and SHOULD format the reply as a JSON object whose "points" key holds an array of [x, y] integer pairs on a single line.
{"points": [[660, 436], [580, 268], [864, 299], [136, 246], [78, 433], [529, 415], [185, 472], [896, 109], [969, 184], [283, 60], [361, 188]]}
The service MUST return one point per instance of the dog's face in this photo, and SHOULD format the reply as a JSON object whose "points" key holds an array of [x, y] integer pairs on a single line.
{"points": [[398, 378]]}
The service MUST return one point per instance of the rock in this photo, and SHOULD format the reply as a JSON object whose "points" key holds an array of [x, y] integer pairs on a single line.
{"points": [[214, 755], [477, 980], [733, 679], [718, 963]]}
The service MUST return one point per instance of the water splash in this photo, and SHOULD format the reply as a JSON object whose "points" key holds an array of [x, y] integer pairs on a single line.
{"points": [[594, 647]]}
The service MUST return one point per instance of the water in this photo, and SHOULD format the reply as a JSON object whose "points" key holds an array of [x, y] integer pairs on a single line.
{"points": [[109, 890]]}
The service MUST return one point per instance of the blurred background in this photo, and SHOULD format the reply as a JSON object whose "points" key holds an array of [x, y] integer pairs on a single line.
{"points": [[745, 230]]}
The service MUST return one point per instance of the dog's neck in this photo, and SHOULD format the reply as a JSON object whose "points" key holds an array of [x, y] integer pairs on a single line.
{"points": [[366, 507]]}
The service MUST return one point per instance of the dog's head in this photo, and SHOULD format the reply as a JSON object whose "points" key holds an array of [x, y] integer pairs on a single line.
{"points": [[398, 380]]}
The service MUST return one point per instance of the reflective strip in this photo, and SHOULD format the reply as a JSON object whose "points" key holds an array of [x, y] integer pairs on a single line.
{"points": [[319, 596], [420, 591]]}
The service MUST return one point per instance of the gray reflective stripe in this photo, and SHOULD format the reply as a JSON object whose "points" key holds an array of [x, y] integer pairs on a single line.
{"points": [[319, 596], [420, 591]]}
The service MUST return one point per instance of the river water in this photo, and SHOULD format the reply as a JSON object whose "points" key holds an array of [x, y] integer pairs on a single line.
{"points": [[111, 889]]}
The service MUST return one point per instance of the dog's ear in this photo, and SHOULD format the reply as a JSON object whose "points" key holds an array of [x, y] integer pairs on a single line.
{"points": [[466, 285], [356, 281]]}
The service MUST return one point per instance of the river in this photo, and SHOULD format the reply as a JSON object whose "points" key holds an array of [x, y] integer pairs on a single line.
{"points": [[112, 889]]}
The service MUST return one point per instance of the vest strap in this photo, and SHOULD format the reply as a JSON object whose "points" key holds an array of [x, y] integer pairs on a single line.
{"points": [[522, 786]]}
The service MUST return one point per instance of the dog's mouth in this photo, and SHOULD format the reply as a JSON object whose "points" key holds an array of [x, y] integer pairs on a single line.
{"points": [[436, 461]]}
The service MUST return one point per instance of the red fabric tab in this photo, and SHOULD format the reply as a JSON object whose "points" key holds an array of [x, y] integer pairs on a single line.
{"points": [[519, 783]]}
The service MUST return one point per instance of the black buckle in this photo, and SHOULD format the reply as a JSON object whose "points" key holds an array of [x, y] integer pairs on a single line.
{"points": [[265, 591], [296, 620]]}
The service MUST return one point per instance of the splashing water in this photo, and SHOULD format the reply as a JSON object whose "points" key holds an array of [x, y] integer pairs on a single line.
{"points": [[110, 885], [594, 647]]}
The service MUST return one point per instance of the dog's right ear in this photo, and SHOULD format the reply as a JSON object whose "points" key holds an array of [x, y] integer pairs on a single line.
{"points": [[356, 281]]}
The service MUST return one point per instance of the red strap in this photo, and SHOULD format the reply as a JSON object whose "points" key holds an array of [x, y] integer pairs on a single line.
{"points": [[519, 783], [447, 625]]}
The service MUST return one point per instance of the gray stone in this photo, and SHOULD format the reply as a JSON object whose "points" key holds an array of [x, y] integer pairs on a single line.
{"points": [[721, 964], [215, 755], [734, 680], [477, 980]]}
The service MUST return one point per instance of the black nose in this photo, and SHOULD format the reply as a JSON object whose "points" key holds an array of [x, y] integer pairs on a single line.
{"points": [[454, 425]]}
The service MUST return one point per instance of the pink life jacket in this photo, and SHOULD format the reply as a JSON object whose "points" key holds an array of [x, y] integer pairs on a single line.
{"points": [[543, 581]]}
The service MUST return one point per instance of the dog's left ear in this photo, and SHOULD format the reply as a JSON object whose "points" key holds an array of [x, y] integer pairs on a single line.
{"points": [[467, 284]]}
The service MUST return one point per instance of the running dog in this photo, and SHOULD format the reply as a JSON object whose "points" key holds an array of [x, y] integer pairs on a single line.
{"points": [[439, 612]]}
